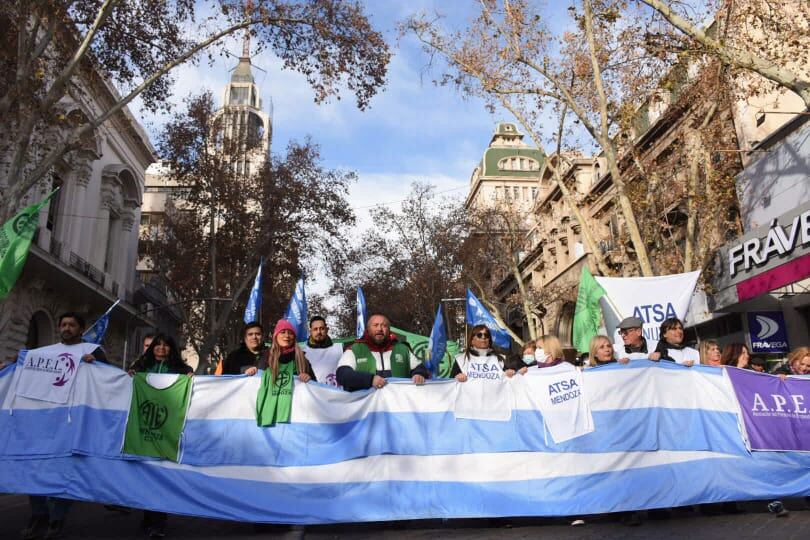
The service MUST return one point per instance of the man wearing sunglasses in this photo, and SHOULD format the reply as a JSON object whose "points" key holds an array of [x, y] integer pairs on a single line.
{"points": [[634, 345], [377, 356]]}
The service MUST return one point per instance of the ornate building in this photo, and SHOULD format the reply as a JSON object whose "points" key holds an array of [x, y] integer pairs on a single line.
{"points": [[84, 253]]}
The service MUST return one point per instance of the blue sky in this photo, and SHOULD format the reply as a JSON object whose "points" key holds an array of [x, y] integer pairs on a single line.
{"points": [[413, 130]]}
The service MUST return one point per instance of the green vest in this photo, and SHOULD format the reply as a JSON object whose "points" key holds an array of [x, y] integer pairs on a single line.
{"points": [[156, 417], [274, 399], [400, 360]]}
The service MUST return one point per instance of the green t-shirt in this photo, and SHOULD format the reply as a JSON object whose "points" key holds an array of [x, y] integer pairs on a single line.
{"points": [[274, 400], [156, 417]]}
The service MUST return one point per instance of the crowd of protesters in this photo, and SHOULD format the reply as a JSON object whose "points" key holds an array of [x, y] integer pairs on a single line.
{"points": [[378, 355]]}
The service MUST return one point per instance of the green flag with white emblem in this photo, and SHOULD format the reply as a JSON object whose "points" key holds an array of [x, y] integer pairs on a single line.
{"points": [[15, 241], [274, 400], [156, 417]]}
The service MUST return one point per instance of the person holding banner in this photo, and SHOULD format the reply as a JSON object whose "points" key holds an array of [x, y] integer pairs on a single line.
{"points": [[377, 356], [736, 355], [479, 352], [710, 354], [549, 351], [671, 346], [634, 345], [601, 352], [249, 353], [798, 364], [51, 512], [162, 356], [284, 351], [321, 352]]}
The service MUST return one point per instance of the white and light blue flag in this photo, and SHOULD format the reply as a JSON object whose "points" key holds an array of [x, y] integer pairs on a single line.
{"points": [[95, 334], [361, 313], [297, 311], [254, 302], [437, 345], [478, 314]]}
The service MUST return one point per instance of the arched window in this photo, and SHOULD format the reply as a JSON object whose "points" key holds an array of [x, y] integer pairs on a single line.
{"points": [[40, 331], [518, 163]]}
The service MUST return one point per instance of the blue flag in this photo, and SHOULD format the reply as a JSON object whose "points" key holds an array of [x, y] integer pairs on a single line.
{"points": [[361, 313], [437, 345], [297, 311], [478, 314], [254, 302], [95, 333]]}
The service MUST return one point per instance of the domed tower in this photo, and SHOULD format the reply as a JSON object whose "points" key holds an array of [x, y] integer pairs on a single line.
{"points": [[245, 130]]}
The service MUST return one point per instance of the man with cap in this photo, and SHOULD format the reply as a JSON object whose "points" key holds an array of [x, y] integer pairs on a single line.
{"points": [[634, 346], [377, 356], [321, 352]]}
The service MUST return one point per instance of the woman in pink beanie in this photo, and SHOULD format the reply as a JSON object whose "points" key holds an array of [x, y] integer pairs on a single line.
{"points": [[283, 351]]}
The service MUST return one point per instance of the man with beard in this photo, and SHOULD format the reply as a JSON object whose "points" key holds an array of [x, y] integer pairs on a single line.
{"points": [[322, 354], [249, 353], [377, 356], [50, 512]]}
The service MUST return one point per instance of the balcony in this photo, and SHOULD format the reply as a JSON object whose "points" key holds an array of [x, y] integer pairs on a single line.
{"points": [[94, 274]]}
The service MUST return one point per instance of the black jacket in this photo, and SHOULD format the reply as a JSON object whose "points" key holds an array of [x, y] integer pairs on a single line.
{"points": [[240, 359]]}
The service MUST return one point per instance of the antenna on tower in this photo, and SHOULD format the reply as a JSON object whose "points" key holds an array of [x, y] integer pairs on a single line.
{"points": [[246, 44]]}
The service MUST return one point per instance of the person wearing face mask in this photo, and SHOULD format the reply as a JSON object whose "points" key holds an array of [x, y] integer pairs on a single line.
{"points": [[549, 352], [480, 352], [671, 346]]}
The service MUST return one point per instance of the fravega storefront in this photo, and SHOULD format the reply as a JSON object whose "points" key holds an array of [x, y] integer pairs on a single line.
{"points": [[765, 277]]}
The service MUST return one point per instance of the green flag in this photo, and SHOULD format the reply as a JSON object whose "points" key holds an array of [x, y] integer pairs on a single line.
{"points": [[274, 400], [15, 240], [419, 346], [156, 417], [587, 314]]}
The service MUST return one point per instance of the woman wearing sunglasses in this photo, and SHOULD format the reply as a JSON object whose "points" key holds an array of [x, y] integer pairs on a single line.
{"points": [[481, 358]]}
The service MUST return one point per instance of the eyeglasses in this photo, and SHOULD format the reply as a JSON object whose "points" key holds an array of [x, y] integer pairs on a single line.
{"points": [[625, 331], [482, 335]]}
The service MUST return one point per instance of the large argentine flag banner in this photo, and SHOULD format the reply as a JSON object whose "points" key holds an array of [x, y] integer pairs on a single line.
{"points": [[663, 436], [651, 299]]}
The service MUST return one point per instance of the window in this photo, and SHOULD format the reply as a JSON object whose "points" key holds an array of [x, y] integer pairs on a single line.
{"points": [[534, 193], [516, 191], [53, 205], [518, 163], [497, 192]]}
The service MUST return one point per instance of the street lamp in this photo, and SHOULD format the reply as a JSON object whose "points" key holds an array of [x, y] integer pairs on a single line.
{"points": [[157, 308]]}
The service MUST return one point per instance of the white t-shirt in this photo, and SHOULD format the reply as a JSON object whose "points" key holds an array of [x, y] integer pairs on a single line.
{"points": [[48, 373], [487, 394], [324, 362], [558, 393], [684, 355]]}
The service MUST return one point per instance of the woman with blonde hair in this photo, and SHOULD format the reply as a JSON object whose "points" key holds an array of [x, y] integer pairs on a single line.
{"points": [[283, 351], [710, 354], [798, 363], [549, 351], [601, 352]]}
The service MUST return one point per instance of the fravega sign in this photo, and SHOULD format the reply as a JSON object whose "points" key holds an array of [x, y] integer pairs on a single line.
{"points": [[780, 240]]}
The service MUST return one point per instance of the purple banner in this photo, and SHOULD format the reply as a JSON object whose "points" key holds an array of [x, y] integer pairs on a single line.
{"points": [[776, 413]]}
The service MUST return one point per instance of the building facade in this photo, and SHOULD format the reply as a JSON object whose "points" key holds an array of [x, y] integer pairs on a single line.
{"points": [[85, 250]]}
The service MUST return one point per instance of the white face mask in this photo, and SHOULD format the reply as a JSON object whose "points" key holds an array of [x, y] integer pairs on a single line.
{"points": [[540, 356]]}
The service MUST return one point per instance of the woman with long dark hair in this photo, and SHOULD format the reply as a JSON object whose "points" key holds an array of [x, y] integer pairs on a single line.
{"points": [[736, 355], [162, 356], [480, 352]]}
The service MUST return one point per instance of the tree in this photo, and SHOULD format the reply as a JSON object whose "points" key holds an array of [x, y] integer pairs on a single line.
{"points": [[767, 38], [224, 222], [57, 52], [509, 56], [406, 264]]}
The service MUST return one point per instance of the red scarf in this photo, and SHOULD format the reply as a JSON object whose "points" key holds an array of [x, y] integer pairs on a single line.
{"points": [[385, 346]]}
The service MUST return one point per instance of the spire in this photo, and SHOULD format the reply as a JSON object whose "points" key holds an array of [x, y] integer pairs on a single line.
{"points": [[246, 45]]}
